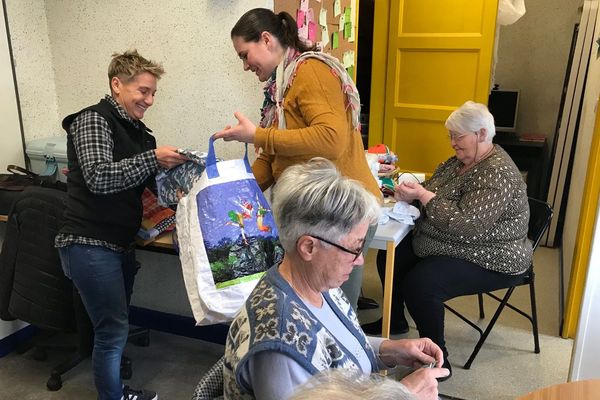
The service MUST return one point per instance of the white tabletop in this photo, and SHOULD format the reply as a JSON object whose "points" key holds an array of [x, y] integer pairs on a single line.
{"points": [[391, 231]]}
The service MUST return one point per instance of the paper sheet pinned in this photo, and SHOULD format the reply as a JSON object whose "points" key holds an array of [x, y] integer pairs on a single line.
{"points": [[337, 9], [324, 36], [323, 17], [348, 59]]}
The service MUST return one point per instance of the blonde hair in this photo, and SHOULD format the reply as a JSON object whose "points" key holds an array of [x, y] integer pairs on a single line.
{"points": [[126, 66]]}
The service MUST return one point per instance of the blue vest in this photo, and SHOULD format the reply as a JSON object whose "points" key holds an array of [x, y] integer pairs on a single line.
{"points": [[274, 318]]}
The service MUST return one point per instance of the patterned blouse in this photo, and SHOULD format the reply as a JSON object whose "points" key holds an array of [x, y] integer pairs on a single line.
{"points": [[481, 216]]}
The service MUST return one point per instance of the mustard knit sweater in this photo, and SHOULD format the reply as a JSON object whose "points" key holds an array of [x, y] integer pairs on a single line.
{"points": [[318, 125]]}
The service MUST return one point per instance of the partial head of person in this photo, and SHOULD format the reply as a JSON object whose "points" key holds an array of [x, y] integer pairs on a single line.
{"points": [[261, 38], [470, 130], [322, 219], [133, 80], [345, 384]]}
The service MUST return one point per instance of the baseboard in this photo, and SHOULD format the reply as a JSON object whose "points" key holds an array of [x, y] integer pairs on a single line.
{"points": [[177, 324], [10, 342]]}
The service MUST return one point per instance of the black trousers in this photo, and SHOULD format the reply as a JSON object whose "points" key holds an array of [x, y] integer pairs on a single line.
{"points": [[424, 284]]}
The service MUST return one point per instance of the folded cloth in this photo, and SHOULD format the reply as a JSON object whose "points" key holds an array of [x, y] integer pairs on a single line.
{"points": [[403, 212], [173, 183], [156, 218]]}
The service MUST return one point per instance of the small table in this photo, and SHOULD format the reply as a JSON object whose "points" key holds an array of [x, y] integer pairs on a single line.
{"points": [[387, 238], [577, 390]]}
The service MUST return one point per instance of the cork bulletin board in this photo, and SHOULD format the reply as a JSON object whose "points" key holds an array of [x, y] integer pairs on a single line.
{"points": [[331, 24]]}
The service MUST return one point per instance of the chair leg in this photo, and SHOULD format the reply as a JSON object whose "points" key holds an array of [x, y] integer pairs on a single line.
{"points": [[55, 381], [488, 329], [534, 321], [481, 311]]}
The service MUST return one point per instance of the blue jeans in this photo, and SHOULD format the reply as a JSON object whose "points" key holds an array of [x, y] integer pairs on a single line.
{"points": [[104, 279]]}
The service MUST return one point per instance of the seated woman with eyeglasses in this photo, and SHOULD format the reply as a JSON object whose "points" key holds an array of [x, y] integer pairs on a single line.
{"points": [[472, 233], [297, 321]]}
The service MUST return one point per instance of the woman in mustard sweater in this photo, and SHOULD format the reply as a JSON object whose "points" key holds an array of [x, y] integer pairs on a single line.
{"points": [[311, 108]]}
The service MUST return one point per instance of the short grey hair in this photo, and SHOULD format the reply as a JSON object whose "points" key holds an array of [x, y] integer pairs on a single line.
{"points": [[471, 117], [315, 199], [344, 384]]}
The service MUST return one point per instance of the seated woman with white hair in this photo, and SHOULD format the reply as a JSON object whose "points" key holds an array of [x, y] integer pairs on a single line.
{"points": [[297, 322], [472, 233]]}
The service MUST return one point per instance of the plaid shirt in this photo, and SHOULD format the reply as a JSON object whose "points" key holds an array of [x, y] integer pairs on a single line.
{"points": [[92, 138]]}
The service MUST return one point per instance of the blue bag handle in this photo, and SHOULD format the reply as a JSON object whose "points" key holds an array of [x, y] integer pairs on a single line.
{"points": [[211, 160]]}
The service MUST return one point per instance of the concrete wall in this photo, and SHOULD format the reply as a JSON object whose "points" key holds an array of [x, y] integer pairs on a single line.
{"points": [[62, 50], [532, 57]]}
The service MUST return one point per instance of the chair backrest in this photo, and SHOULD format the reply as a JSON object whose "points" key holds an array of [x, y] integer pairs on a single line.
{"points": [[211, 385], [540, 215]]}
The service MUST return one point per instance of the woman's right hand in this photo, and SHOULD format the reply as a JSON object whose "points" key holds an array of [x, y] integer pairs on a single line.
{"points": [[168, 157], [243, 132], [410, 191], [422, 383]]}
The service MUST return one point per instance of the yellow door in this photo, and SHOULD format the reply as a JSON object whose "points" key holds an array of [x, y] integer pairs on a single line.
{"points": [[439, 54]]}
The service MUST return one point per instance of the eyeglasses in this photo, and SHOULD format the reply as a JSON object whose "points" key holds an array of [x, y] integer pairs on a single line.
{"points": [[355, 253], [458, 136]]}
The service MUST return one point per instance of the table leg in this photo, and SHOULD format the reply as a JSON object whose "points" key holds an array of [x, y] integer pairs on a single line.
{"points": [[387, 290]]}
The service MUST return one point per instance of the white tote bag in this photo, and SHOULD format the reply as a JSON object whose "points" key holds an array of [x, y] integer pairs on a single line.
{"points": [[227, 238]]}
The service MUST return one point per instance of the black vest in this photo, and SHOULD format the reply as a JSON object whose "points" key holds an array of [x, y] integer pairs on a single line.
{"points": [[114, 218]]}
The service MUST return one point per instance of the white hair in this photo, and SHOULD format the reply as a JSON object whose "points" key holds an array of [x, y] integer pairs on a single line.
{"points": [[471, 117], [344, 384], [315, 199]]}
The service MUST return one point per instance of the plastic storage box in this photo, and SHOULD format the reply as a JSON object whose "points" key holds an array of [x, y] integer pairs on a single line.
{"points": [[48, 156]]}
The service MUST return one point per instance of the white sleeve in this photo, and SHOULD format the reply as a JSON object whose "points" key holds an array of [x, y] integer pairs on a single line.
{"points": [[273, 375]]}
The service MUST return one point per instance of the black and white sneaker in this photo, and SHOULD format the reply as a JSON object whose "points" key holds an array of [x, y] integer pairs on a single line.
{"points": [[132, 394]]}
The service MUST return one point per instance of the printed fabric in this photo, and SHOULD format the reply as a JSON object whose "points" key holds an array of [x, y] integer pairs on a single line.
{"points": [[178, 181], [272, 111]]}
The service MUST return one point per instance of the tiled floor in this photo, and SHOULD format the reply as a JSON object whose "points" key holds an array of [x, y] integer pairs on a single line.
{"points": [[505, 367]]}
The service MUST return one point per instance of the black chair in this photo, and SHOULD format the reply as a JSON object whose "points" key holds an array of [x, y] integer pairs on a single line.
{"points": [[210, 386], [33, 287], [539, 220]]}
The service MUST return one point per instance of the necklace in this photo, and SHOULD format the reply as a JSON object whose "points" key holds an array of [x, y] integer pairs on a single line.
{"points": [[485, 155]]}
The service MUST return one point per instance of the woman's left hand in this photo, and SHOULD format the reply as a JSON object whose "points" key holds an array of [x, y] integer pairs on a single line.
{"points": [[243, 132], [411, 352]]}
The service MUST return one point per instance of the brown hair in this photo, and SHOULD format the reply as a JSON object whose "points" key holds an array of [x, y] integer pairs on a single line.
{"points": [[258, 20], [129, 64]]}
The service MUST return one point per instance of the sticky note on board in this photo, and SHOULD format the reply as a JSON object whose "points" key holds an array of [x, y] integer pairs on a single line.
{"points": [[312, 31], [323, 17], [324, 36], [304, 5], [335, 40], [347, 30], [337, 9], [303, 32], [300, 18], [310, 15], [348, 14], [350, 71], [342, 22], [348, 59]]}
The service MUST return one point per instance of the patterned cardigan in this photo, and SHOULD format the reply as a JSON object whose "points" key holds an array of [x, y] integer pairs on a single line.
{"points": [[480, 216], [274, 318]]}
